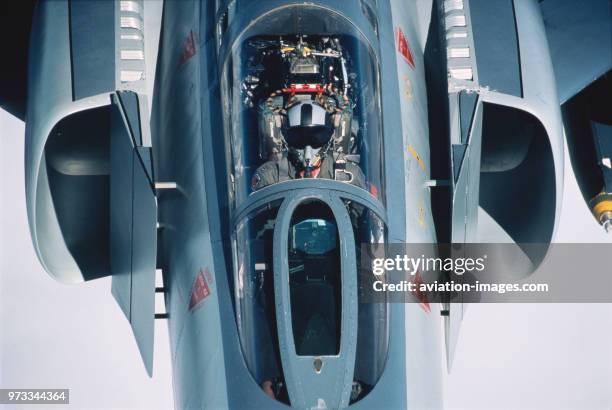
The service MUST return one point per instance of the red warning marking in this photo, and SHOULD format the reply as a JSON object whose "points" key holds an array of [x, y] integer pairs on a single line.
{"points": [[424, 303], [374, 190], [403, 47], [189, 49], [199, 290]]}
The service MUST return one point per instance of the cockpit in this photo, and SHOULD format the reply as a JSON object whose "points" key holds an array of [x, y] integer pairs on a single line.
{"points": [[303, 105], [300, 88], [306, 189], [314, 280], [317, 254]]}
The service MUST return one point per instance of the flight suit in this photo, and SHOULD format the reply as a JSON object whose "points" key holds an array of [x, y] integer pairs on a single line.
{"points": [[272, 172]]}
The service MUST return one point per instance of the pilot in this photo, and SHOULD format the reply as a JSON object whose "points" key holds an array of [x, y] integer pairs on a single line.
{"points": [[311, 148]]}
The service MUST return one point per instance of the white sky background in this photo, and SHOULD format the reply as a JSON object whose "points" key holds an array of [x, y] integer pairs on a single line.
{"points": [[540, 356]]}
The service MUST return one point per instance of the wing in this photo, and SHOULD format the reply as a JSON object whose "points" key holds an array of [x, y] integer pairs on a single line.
{"points": [[580, 42]]}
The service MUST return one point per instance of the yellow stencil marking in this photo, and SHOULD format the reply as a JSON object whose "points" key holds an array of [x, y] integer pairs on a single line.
{"points": [[417, 157], [422, 213], [407, 88]]}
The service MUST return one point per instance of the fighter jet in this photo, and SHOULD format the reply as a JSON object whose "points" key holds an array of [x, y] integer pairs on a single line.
{"points": [[280, 136]]}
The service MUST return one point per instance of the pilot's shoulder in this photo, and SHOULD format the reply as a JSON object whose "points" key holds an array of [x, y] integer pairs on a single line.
{"points": [[266, 174], [358, 178], [268, 166], [353, 167]]}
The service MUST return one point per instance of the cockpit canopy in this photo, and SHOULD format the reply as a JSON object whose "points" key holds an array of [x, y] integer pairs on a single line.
{"points": [[302, 76]]}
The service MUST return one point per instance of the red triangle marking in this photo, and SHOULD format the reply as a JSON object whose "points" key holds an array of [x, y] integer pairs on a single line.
{"points": [[424, 302], [199, 291], [403, 47], [189, 49]]}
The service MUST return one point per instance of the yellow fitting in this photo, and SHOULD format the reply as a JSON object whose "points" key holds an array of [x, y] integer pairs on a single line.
{"points": [[601, 204], [601, 207]]}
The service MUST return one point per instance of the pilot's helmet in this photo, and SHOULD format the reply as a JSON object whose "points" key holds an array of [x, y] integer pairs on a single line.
{"points": [[308, 124]]}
